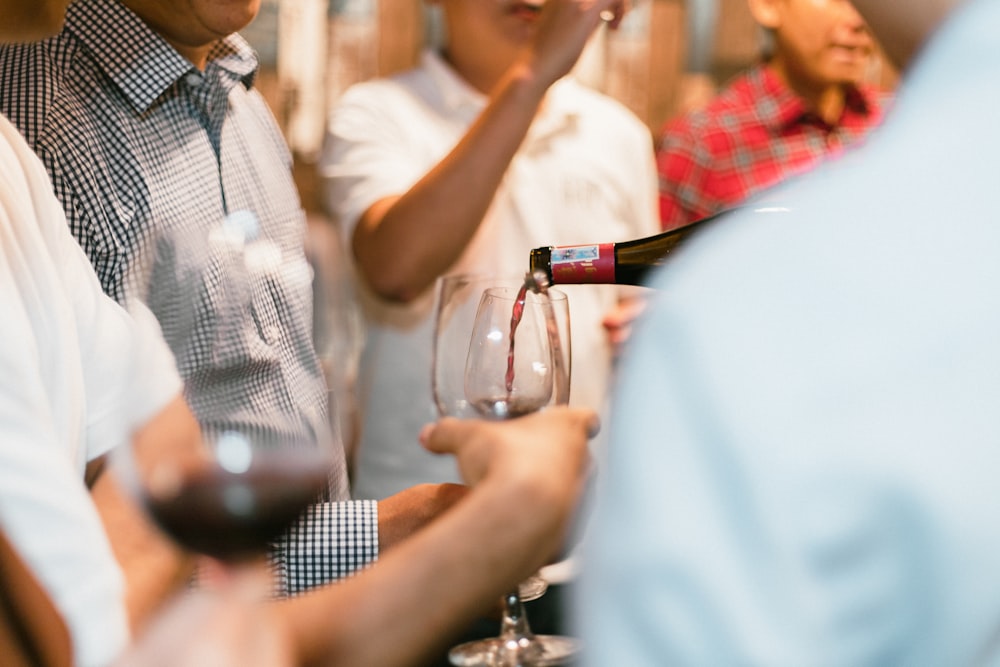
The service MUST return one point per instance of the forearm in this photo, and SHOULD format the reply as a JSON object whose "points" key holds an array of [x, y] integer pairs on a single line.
{"points": [[418, 595], [403, 514], [154, 567], [402, 245]]}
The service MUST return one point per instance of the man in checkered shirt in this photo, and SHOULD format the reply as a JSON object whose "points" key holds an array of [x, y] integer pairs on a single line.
{"points": [[803, 103], [146, 118]]}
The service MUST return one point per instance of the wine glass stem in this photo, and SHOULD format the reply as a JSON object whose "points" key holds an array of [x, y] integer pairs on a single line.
{"points": [[518, 642]]}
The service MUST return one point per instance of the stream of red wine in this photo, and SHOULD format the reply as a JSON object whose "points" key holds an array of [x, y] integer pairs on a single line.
{"points": [[515, 318]]}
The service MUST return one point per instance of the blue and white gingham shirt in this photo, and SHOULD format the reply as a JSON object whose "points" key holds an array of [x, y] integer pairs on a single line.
{"points": [[149, 156]]}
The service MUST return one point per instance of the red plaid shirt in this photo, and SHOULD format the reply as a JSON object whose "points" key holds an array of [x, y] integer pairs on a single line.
{"points": [[755, 133]]}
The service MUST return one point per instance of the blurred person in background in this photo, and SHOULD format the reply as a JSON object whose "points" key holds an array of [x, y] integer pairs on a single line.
{"points": [[78, 378], [147, 119], [464, 164], [805, 441], [806, 100]]}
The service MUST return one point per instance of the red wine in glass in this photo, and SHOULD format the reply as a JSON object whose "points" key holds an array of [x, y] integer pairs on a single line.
{"points": [[232, 516]]}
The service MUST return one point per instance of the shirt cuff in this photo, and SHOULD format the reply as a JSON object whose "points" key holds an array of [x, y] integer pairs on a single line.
{"points": [[330, 541]]}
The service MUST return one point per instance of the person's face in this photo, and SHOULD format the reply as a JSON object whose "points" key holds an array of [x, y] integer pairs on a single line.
{"points": [[30, 20], [490, 29], [194, 24], [819, 42]]}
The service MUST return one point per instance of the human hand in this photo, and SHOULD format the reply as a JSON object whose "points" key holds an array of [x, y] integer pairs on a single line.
{"points": [[406, 512], [618, 321], [564, 28], [548, 447]]}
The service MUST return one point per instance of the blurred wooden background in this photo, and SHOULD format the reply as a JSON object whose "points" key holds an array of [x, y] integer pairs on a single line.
{"points": [[313, 49]]}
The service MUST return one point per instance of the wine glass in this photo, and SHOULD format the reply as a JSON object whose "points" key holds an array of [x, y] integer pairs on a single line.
{"points": [[512, 360], [458, 298], [231, 498], [457, 301]]}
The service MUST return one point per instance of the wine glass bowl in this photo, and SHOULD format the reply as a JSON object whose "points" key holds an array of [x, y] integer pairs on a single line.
{"points": [[458, 301], [509, 368], [236, 498]]}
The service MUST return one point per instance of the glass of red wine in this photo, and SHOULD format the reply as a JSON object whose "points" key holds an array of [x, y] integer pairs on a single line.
{"points": [[502, 351], [233, 500]]}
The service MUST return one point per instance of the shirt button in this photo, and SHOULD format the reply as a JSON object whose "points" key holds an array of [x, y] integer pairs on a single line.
{"points": [[193, 79]]}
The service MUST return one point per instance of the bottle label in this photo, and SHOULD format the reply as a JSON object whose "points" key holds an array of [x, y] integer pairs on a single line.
{"points": [[573, 265]]}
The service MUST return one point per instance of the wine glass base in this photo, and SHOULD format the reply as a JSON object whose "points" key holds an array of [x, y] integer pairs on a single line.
{"points": [[538, 651]]}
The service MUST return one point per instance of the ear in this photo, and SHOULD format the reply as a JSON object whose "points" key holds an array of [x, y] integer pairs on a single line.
{"points": [[767, 13]]}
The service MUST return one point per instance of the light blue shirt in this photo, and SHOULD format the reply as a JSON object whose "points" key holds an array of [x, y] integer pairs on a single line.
{"points": [[806, 440]]}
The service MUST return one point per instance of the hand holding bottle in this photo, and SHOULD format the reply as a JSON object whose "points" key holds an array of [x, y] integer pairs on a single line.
{"points": [[563, 32], [618, 321]]}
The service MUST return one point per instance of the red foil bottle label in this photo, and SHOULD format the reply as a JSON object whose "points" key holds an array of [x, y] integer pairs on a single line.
{"points": [[577, 264]]}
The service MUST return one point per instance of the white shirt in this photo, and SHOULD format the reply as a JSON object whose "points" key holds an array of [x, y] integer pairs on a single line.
{"points": [[584, 174], [78, 376], [806, 449]]}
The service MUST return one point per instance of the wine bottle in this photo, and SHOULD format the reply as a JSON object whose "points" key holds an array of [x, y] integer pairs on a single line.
{"points": [[622, 263]]}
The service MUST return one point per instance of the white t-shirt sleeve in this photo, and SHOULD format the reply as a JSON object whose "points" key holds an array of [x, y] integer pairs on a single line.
{"points": [[47, 511], [45, 507], [129, 372], [79, 375], [367, 154]]}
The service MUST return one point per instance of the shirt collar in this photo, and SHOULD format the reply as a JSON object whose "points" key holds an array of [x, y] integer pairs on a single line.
{"points": [[559, 110], [785, 108], [143, 65], [456, 94]]}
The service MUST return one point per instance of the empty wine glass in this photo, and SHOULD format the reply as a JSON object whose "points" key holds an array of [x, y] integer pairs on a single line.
{"points": [[511, 359]]}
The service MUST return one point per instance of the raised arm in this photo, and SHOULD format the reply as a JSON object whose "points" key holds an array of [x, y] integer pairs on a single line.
{"points": [[403, 242]]}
